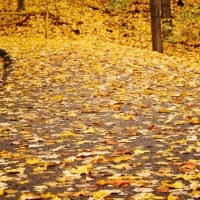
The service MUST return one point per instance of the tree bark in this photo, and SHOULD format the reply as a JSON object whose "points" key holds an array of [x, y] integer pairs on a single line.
{"points": [[166, 18], [166, 11], [20, 5], [156, 26], [180, 3]]}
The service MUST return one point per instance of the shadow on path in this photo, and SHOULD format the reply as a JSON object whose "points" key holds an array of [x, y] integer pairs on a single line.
{"points": [[7, 61]]}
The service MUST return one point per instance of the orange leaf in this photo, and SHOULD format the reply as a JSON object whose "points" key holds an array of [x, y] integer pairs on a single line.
{"points": [[188, 166], [111, 142], [162, 189], [118, 182], [121, 182], [163, 110]]}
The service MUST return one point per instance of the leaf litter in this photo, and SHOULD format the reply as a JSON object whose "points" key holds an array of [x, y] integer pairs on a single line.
{"points": [[93, 120]]}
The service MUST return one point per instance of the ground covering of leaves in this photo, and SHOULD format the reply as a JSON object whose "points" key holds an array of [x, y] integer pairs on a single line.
{"points": [[87, 114], [94, 120]]}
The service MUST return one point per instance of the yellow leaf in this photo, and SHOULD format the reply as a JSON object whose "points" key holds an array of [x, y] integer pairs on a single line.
{"points": [[40, 169], [195, 185], [72, 114], [124, 141], [102, 182], [179, 122], [5, 178], [163, 110], [51, 196], [98, 158], [1, 191], [67, 134], [177, 185], [164, 170], [196, 194], [123, 117], [60, 77], [70, 159], [186, 177], [121, 166], [127, 117], [19, 170], [89, 130], [10, 191], [140, 151], [40, 188], [194, 120], [81, 169], [197, 111], [24, 182], [172, 197], [101, 194], [122, 158], [9, 86], [58, 98], [28, 195], [147, 196], [33, 161]]}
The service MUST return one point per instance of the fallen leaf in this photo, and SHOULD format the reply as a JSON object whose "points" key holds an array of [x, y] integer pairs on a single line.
{"points": [[173, 197], [101, 194], [176, 185], [194, 120], [33, 161], [188, 166], [85, 169], [1, 191], [67, 134], [162, 189], [140, 151], [19, 170], [29, 195]]}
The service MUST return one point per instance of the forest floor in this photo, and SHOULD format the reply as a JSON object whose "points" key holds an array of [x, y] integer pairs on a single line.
{"points": [[97, 120], [92, 113]]}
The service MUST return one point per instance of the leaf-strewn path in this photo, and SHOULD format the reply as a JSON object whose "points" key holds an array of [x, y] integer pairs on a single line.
{"points": [[98, 121]]}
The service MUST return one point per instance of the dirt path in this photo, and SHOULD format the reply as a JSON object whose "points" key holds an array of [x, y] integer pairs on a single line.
{"points": [[99, 121]]}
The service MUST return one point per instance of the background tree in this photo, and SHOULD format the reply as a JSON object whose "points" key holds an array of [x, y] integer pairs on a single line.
{"points": [[166, 17], [166, 11], [20, 5], [180, 3], [156, 26]]}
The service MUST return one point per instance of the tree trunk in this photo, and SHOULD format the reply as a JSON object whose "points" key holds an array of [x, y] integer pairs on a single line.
{"points": [[20, 5], [180, 3], [166, 18], [166, 9], [156, 26]]}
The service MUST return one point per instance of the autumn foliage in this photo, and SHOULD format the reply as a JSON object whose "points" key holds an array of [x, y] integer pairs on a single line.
{"points": [[91, 112]]}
